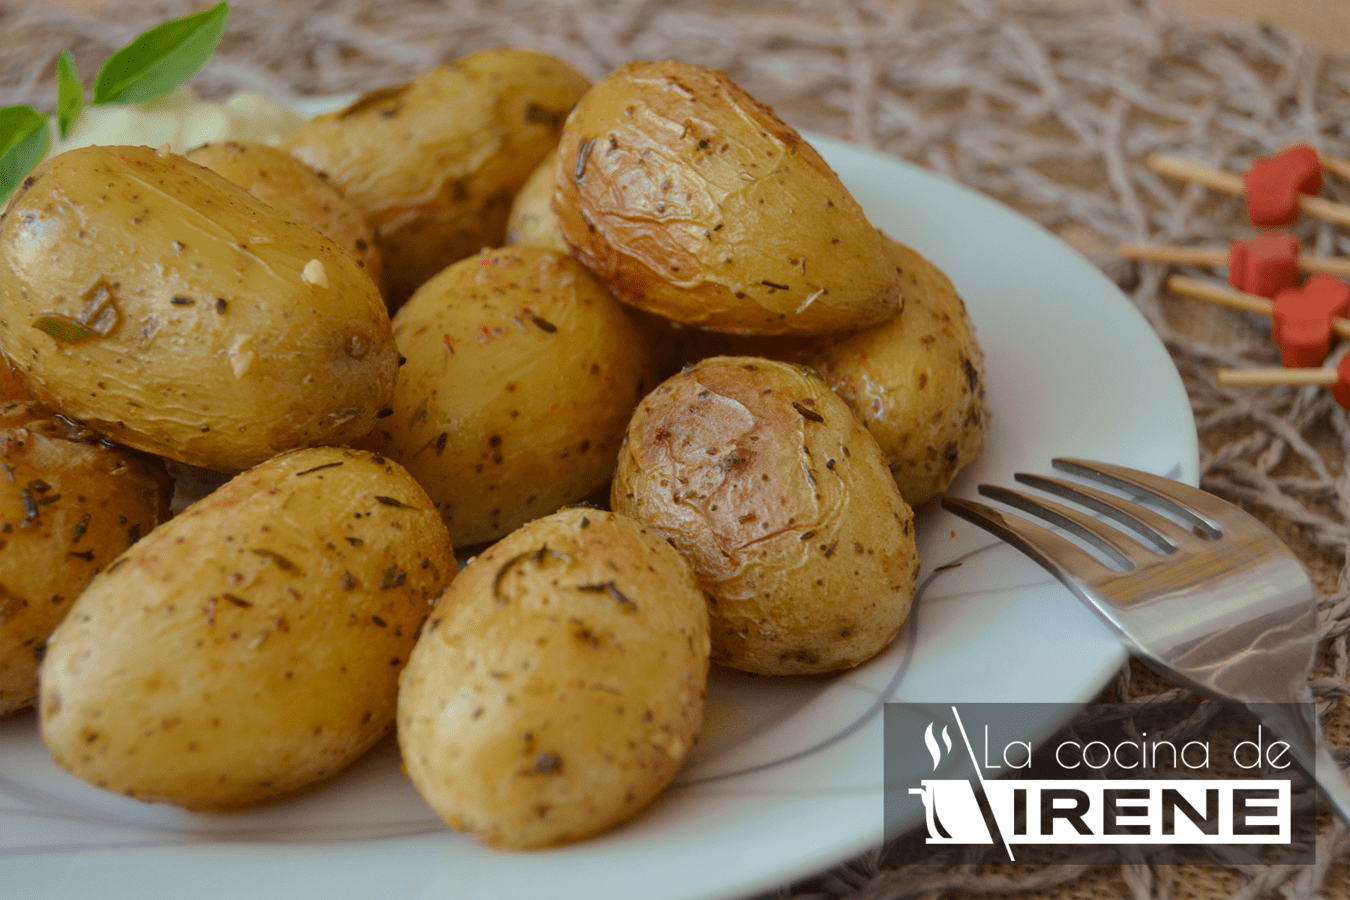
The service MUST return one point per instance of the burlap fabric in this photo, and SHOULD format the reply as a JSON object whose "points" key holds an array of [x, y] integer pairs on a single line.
{"points": [[1049, 106]]}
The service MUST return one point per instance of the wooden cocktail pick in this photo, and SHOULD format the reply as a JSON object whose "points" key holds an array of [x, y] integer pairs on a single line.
{"points": [[1337, 378], [1303, 318], [1264, 264], [1273, 190]]}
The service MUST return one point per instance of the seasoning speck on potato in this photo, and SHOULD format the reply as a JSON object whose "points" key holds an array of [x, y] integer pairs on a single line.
{"points": [[251, 645], [559, 684], [782, 502]]}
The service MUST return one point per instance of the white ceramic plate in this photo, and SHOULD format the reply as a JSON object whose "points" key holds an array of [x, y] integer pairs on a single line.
{"points": [[787, 779]]}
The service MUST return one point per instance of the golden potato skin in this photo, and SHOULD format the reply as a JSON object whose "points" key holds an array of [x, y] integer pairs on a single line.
{"points": [[693, 201], [916, 381], [251, 645], [765, 481], [521, 374], [165, 307], [559, 684], [12, 384], [70, 504], [435, 162], [532, 220], [286, 184]]}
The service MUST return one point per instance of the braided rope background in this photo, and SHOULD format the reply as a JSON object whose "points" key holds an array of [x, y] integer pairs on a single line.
{"points": [[1049, 106]]}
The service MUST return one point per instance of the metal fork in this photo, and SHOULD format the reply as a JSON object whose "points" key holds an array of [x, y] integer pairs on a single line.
{"points": [[1218, 604]]}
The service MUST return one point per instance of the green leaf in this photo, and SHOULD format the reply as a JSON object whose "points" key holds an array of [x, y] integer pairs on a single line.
{"points": [[23, 143], [161, 59], [69, 93]]}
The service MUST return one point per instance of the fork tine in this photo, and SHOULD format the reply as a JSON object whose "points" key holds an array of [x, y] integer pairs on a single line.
{"points": [[1203, 510], [1060, 557], [1108, 540], [1161, 532]]}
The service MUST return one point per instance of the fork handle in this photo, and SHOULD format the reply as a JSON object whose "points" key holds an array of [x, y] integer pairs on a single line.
{"points": [[1333, 783], [1310, 753]]}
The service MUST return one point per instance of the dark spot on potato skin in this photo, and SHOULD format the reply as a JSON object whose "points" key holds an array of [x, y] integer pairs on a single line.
{"points": [[548, 764], [972, 375], [805, 656]]}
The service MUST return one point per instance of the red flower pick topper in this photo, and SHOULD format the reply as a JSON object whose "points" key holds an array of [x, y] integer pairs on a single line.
{"points": [[1342, 390], [1273, 183], [1264, 265], [1301, 319]]}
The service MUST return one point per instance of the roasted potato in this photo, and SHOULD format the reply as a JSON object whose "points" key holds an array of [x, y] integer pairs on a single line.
{"points": [[559, 684], [251, 645], [916, 381], [766, 482], [532, 220], [434, 163], [70, 504], [167, 308], [294, 189], [693, 201], [521, 374]]}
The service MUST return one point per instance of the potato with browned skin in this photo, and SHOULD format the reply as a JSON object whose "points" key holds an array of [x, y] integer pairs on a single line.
{"points": [[693, 201], [70, 504], [559, 684], [434, 163], [285, 183], [252, 645], [766, 482], [167, 308]]}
